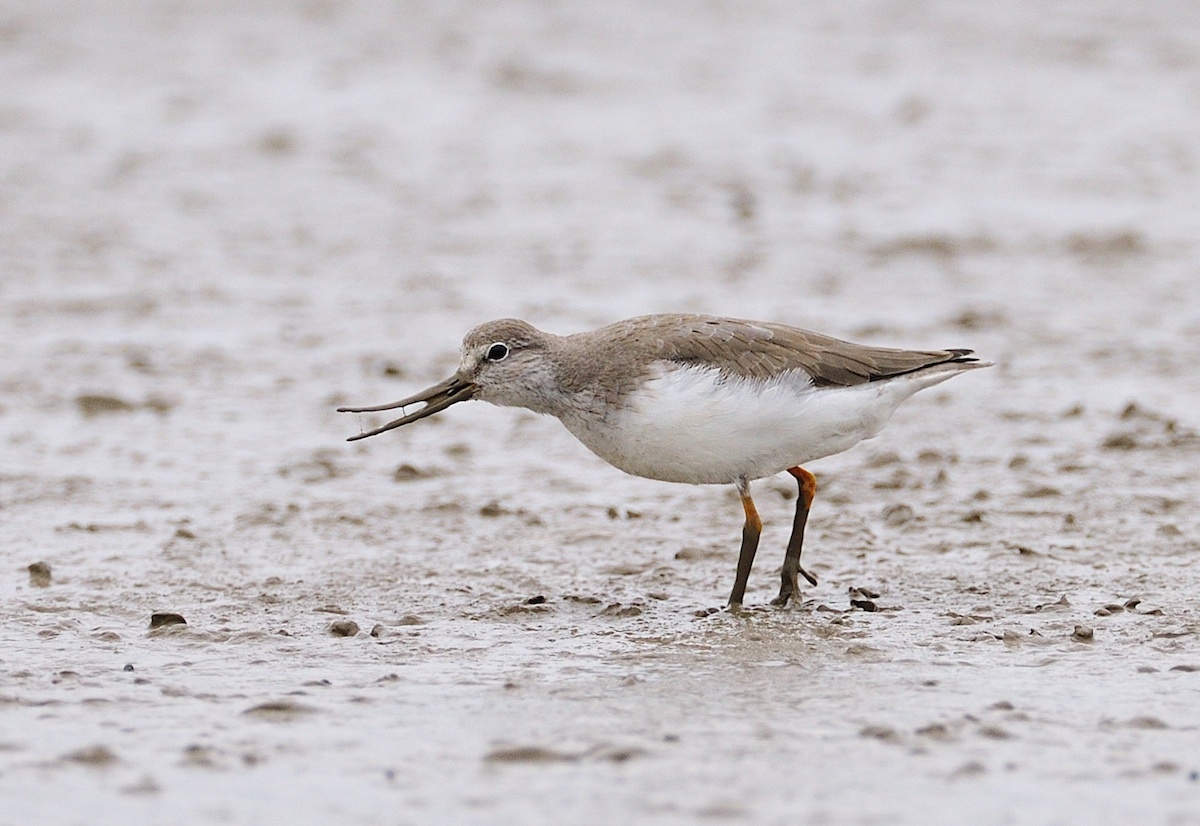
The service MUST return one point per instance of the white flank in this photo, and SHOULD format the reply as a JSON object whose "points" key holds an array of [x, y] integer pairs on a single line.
{"points": [[693, 425]]}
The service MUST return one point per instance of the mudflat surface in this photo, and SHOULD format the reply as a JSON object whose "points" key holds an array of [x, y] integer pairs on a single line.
{"points": [[220, 221]]}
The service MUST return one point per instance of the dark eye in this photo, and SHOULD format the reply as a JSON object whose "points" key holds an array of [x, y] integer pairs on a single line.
{"points": [[497, 352]]}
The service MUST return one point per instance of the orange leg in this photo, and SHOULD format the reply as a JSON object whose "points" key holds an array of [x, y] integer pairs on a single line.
{"points": [[790, 588], [751, 531]]}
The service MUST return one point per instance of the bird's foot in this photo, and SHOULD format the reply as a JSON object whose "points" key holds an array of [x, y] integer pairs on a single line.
{"points": [[790, 589]]}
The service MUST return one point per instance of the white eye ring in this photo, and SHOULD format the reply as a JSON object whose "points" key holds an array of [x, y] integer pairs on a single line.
{"points": [[497, 352]]}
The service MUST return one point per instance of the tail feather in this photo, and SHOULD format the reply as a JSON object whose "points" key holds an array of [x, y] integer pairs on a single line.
{"points": [[957, 360]]}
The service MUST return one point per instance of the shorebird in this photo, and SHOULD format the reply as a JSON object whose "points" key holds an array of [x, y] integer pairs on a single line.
{"points": [[699, 399]]}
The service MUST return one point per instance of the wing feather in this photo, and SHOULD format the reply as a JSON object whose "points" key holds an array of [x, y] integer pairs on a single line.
{"points": [[760, 350]]}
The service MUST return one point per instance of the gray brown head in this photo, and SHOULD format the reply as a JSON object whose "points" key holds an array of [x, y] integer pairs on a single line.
{"points": [[505, 362]]}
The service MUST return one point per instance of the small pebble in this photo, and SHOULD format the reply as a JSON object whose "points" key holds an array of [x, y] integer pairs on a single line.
{"points": [[343, 628], [411, 473], [128, 667], [537, 600], [160, 619], [39, 575]]}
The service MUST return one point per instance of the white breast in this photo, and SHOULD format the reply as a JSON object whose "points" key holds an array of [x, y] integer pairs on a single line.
{"points": [[695, 425]]}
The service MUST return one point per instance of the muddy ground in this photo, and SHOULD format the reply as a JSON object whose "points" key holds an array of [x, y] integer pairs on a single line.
{"points": [[220, 221]]}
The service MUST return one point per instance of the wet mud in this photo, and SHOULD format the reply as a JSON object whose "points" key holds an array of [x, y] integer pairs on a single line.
{"points": [[218, 226]]}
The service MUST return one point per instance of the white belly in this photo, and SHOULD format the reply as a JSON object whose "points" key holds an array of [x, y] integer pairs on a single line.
{"points": [[693, 425]]}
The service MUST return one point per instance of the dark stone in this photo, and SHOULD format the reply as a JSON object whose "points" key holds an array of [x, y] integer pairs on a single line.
{"points": [[158, 620]]}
